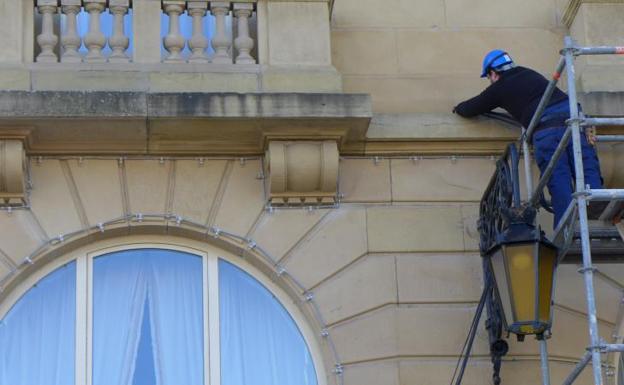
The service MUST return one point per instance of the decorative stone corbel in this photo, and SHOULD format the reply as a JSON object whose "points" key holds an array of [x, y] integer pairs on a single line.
{"points": [[12, 172], [302, 172]]}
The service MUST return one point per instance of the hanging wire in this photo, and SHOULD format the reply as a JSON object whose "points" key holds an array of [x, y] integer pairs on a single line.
{"points": [[467, 347]]}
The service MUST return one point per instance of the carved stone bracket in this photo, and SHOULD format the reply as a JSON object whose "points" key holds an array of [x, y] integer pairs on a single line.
{"points": [[12, 172], [302, 172]]}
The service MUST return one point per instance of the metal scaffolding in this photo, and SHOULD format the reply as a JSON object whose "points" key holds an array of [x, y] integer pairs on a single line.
{"points": [[577, 211]]}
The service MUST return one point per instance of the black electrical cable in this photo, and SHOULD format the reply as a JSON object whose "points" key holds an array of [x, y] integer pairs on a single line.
{"points": [[472, 332], [505, 118], [461, 354]]}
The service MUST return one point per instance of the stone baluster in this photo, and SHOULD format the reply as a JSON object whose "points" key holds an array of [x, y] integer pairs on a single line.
{"points": [[174, 41], [47, 39], [220, 41], [198, 42], [95, 40], [118, 41], [243, 42], [70, 39]]}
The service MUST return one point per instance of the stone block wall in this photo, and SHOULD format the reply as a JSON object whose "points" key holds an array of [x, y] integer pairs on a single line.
{"points": [[426, 56], [394, 269]]}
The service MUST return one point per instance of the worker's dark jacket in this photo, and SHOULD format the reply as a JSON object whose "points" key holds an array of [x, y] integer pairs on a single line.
{"points": [[518, 91]]}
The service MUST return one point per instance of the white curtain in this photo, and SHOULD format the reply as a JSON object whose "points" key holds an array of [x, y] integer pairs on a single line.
{"points": [[175, 300], [260, 343], [37, 334], [119, 292], [171, 282]]}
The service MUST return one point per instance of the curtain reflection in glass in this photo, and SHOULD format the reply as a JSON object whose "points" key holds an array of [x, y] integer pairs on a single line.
{"points": [[260, 342], [37, 334], [166, 287]]}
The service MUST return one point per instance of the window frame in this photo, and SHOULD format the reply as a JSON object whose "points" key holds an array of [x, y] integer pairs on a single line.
{"points": [[210, 255], [84, 300]]}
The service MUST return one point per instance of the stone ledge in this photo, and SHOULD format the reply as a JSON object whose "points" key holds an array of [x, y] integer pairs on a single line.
{"points": [[258, 106], [83, 122], [72, 104], [105, 104], [87, 122]]}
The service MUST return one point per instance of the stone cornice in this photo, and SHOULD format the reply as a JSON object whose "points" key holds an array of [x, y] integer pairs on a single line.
{"points": [[111, 105], [71, 122], [573, 6], [215, 124]]}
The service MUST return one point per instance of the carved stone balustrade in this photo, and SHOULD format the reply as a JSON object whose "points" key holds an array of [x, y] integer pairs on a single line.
{"points": [[198, 42], [94, 40], [220, 38], [47, 40], [167, 46], [118, 42], [229, 33]]}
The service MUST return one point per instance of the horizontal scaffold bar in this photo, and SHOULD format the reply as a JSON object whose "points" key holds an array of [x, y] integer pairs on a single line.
{"points": [[603, 122], [610, 138], [599, 51], [605, 194], [611, 348]]}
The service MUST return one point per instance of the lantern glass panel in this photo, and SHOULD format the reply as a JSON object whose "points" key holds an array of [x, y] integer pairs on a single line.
{"points": [[521, 271], [547, 260], [502, 284]]}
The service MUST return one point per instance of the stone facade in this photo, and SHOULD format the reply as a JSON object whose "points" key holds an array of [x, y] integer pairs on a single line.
{"points": [[191, 153]]}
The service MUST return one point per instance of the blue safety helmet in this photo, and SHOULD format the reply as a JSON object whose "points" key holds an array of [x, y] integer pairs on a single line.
{"points": [[496, 60]]}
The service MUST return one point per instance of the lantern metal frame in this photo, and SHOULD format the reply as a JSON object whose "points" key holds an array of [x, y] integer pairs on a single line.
{"points": [[505, 219], [522, 233]]}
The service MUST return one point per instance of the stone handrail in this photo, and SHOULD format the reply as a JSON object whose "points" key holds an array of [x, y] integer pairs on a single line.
{"points": [[174, 42]]}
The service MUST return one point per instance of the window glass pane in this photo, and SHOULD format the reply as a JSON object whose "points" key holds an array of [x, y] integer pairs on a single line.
{"points": [[37, 334], [158, 288], [260, 342], [145, 372]]}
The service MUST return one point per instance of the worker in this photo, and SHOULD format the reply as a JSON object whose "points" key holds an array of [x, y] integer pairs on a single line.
{"points": [[518, 90]]}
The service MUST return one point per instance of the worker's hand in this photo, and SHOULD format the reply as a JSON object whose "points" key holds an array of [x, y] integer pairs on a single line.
{"points": [[590, 133]]}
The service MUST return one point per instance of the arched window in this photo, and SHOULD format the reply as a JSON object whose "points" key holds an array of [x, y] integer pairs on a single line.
{"points": [[151, 316]]}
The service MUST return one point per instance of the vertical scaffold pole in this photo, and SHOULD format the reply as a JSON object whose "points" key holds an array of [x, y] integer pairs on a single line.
{"points": [[587, 270], [528, 170], [527, 133], [544, 359]]}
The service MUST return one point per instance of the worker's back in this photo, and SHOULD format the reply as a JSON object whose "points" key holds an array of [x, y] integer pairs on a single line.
{"points": [[518, 91]]}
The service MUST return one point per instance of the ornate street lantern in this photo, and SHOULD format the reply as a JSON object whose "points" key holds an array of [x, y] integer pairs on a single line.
{"points": [[518, 268], [523, 262], [517, 254]]}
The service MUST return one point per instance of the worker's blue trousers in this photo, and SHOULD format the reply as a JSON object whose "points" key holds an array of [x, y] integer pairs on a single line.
{"points": [[560, 186]]}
